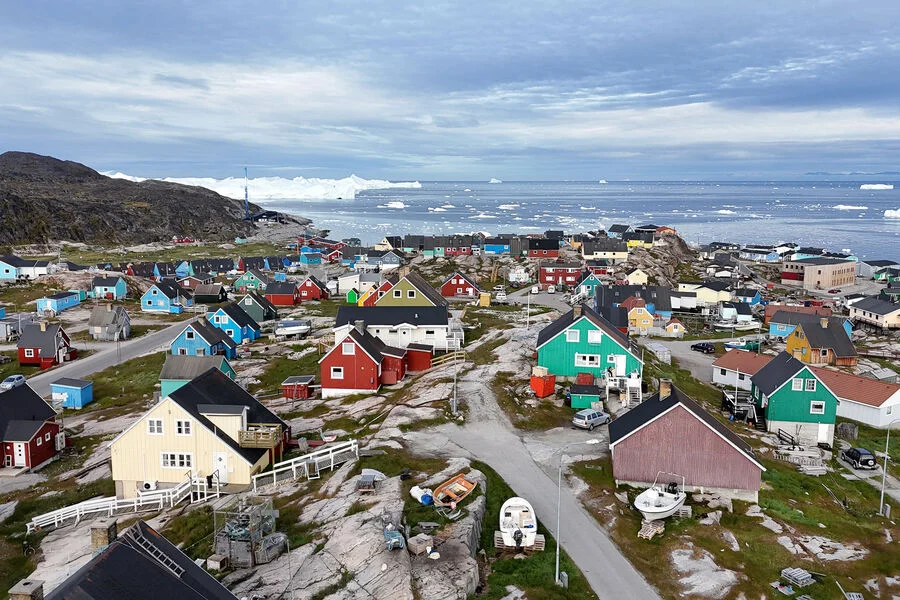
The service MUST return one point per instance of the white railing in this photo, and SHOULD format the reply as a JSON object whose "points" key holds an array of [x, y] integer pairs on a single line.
{"points": [[144, 501], [308, 465]]}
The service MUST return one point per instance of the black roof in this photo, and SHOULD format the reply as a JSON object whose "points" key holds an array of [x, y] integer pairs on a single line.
{"points": [[298, 379], [659, 296], [742, 308], [877, 305], [239, 316], [216, 388], [281, 287], [603, 245], [651, 408], [563, 322], [788, 317], [832, 336], [33, 337], [21, 408], [72, 382], [61, 295], [253, 262], [716, 286], [211, 334], [776, 372], [587, 390], [131, 568], [105, 281], [317, 282], [820, 260], [644, 236], [425, 289], [543, 244], [182, 367], [881, 263], [262, 301], [619, 228], [391, 315], [746, 292], [617, 316], [170, 290]]}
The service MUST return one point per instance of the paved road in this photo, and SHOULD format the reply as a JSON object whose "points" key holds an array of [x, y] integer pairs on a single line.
{"points": [[489, 436], [102, 359], [699, 364]]}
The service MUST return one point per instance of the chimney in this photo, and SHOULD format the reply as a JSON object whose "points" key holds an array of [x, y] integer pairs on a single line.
{"points": [[103, 533], [576, 311], [43, 325], [360, 325], [27, 589], [665, 388], [823, 321]]}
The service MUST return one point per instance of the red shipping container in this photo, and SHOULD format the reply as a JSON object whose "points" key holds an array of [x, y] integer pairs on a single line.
{"points": [[543, 386], [584, 379]]}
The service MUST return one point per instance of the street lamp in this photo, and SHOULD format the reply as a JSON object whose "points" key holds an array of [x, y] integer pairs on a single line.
{"points": [[559, 496], [884, 466]]}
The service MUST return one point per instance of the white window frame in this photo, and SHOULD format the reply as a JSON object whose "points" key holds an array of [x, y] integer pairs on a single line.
{"points": [[410, 294], [813, 410], [810, 385], [182, 352], [348, 349], [154, 427], [398, 293], [797, 384], [337, 372], [47, 437], [183, 427], [29, 352], [584, 360], [595, 336], [176, 460], [573, 338], [39, 440], [189, 335]]}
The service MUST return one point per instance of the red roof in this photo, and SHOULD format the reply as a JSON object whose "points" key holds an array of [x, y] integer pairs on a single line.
{"points": [[856, 388], [632, 302], [771, 309], [743, 361]]}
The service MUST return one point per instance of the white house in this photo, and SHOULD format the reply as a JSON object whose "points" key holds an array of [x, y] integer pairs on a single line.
{"points": [[357, 280], [400, 326], [735, 368], [868, 401]]}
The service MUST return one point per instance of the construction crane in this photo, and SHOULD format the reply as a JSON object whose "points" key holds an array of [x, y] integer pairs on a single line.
{"points": [[246, 198]]}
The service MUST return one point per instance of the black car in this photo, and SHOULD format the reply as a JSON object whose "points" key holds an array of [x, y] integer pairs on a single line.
{"points": [[859, 458], [704, 347]]}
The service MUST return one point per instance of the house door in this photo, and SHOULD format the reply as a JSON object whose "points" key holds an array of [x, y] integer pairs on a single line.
{"points": [[220, 464], [404, 337], [19, 450], [620, 365], [823, 433]]}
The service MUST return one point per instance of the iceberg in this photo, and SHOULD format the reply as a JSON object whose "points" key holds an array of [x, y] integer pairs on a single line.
{"points": [[877, 186], [495, 180], [275, 188], [508, 207], [725, 211], [892, 214], [483, 216], [849, 207], [393, 204], [602, 181]]}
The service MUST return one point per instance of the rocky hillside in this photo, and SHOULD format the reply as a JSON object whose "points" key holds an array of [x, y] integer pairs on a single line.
{"points": [[43, 198]]}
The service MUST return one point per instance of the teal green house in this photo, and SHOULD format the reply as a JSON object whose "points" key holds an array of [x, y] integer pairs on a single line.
{"points": [[179, 370], [788, 396], [582, 341], [583, 396], [588, 284]]}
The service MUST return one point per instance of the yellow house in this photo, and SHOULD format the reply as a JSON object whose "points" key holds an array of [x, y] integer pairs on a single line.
{"points": [[637, 277], [709, 293], [639, 318], [611, 249], [208, 427], [822, 341], [412, 290], [676, 328], [366, 295]]}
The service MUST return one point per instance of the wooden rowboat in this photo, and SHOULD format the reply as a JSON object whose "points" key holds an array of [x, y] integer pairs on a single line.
{"points": [[453, 491]]}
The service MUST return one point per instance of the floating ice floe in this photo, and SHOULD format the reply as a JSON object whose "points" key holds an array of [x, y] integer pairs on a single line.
{"points": [[495, 180], [438, 209], [892, 214], [484, 216], [393, 204], [725, 211], [849, 207], [508, 207], [447, 206], [877, 186], [270, 188]]}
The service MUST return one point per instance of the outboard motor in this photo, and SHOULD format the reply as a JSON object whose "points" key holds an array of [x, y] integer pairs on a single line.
{"points": [[517, 538], [672, 488]]}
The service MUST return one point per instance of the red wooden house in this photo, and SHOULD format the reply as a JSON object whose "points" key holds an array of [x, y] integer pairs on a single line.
{"points": [[283, 293], [459, 285], [651, 437], [29, 433], [599, 266], [46, 345], [559, 273], [382, 289], [360, 362], [543, 248], [331, 255], [312, 289]]}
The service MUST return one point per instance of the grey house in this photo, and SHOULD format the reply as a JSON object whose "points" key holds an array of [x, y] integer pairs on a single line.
{"points": [[109, 323]]}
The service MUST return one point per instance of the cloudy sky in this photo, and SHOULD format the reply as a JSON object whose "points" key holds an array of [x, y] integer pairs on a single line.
{"points": [[456, 90]]}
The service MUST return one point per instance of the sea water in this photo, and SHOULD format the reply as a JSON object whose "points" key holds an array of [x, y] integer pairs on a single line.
{"points": [[832, 215]]}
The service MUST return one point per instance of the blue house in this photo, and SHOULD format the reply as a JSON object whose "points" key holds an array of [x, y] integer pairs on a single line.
{"points": [[109, 288], [164, 270], [74, 393], [200, 338], [165, 297], [10, 267], [496, 246], [311, 258], [58, 302], [747, 296], [236, 324], [784, 322], [183, 269], [281, 276]]}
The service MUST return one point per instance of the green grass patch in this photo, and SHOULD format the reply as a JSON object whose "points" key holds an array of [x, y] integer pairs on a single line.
{"points": [[545, 415], [279, 368], [193, 532], [16, 296], [288, 522], [12, 366], [480, 320], [484, 353], [126, 387], [323, 308]]}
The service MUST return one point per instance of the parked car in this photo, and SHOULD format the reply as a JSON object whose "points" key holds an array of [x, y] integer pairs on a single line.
{"points": [[12, 381], [551, 289], [859, 458], [499, 288], [704, 347], [535, 289], [590, 418], [835, 291], [500, 297]]}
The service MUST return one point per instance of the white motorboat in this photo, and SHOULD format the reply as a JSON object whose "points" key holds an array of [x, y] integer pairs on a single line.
{"points": [[662, 500], [287, 328], [518, 527], [736, 325]]}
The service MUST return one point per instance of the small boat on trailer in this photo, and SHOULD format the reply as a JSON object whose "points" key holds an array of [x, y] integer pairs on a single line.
{"points": [[736, 325], [518, 527], [662, 500], [289, 328], [453, 491]]}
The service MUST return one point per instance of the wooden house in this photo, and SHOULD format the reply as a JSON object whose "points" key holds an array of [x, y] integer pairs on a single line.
{"points": [[45, 345], [167, 298], [193, 282], [543, 248], [788, 396], [612, 250], [783, 322], [735, 368], [236, 323], [56, 303], [637, 277], [109, 323], [401, 326], [180, 369], [283, 293], [258, 307], [360, 362], [210, 293], [459, 285], [252, 280], [249, 263], [109, 288], [876, 313], [210, 427], [412, 290], [874, 403], [200, 338], [29, 434], [670, 432], [822, 341], [312, 289], [559, 273], [72, 393]]}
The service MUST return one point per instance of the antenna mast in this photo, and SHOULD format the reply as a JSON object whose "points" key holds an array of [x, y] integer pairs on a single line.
{"points": [[246, 197]]}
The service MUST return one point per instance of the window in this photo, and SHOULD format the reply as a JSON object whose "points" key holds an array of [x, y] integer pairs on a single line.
{"points": [[29, 353], [348, 348], [337, 372], [459, 291], [721, 371], [824, 352], [200, 352], [149, 303], [398, 293], [890, 409], [587, 360], [741, 376], [47, 437], [410, 293], [230, 332], [155, 426], [154, 292], [817, 407], [189, 335], [810, 385], [594, 337], [797, 384], [39, 441], [573, 335], [182, 351], [248, 301], [177, 460]]}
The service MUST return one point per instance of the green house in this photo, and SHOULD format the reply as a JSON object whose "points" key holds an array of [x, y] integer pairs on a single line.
{"points": [[788, 396], [179, 370], [582, 341], [258, 307], [412, 290], [588, 284], [251, 280], [583, 396], [353, 296]]}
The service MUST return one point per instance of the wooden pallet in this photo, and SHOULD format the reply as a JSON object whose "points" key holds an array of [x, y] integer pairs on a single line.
{"points": [[649, 529], [797, 577], [540, 543], [685, 512]]}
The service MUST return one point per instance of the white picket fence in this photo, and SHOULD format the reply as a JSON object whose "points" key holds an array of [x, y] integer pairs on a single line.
{"points": [[191, 487], [308, 465]]}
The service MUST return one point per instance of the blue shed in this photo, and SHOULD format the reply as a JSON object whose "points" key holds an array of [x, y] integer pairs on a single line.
{"points": [[2, 312], [58, 302], [74, 393]]}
